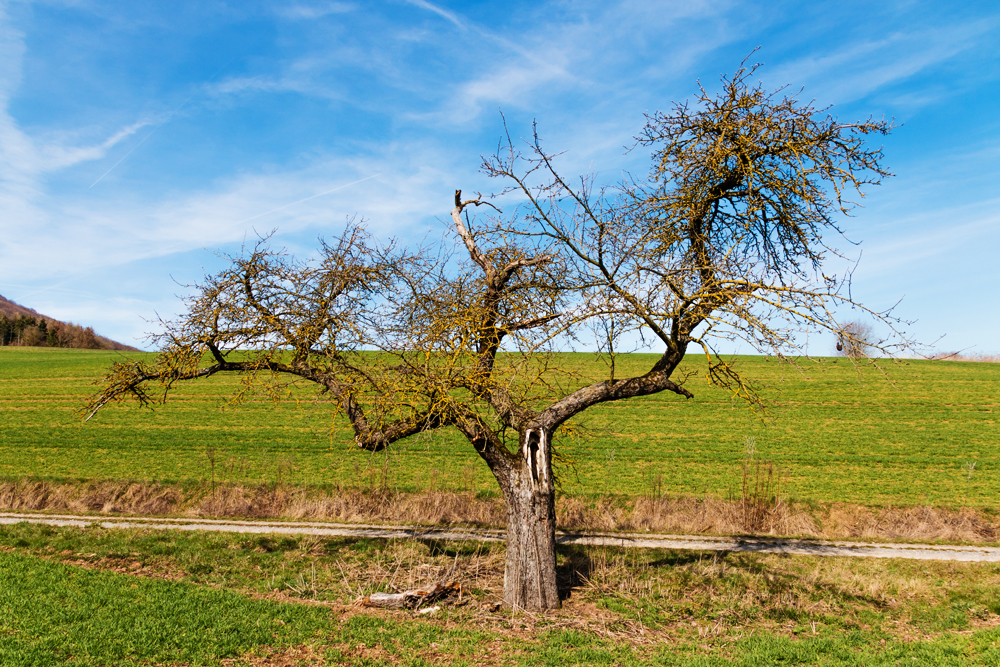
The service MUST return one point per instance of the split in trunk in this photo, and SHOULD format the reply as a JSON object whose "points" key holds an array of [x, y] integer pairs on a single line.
{"points": [[529, 580]]}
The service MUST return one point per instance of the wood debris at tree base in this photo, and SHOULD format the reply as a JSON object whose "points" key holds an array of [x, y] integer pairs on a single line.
{"points": [[411, 599]]}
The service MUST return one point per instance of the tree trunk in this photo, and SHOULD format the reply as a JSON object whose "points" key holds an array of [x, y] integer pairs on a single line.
{"points": [[530, 574]]}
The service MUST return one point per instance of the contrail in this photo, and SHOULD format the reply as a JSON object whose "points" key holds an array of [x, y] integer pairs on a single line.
{"points": [[53, 286], [169, 116], [281, 208], [130, 152]]}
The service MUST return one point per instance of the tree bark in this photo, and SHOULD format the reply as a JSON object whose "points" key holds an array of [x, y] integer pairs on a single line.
{"points": [[530, 572]]}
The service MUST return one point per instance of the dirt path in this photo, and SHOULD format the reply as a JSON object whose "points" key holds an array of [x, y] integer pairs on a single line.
{"points": [[635, 540]]}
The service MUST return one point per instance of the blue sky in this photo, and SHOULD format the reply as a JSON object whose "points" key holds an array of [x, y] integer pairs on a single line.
{"points": [[138, 138]]}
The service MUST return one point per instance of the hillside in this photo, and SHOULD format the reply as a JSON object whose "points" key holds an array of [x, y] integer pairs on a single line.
{"points": [[73, 335]]}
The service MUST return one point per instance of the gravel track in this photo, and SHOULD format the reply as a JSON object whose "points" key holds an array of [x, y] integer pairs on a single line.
{"points": [[634, 540]]}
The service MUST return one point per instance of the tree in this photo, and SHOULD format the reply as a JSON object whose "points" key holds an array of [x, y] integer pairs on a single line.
{"points": [[32, 337], [726, 238], [856, 339], [84, 338], [6, 330]]}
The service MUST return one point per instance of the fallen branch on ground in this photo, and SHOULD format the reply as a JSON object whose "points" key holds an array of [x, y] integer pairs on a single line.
{"points": [[411, 599]]}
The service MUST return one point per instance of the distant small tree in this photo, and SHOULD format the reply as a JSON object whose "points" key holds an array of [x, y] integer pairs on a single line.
{"points": [[33, 337], [84, 338], [725, 239], [64, 334], [856, 340]]}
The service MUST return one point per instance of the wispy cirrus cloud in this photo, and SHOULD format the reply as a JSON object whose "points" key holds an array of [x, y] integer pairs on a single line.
{"points": [[859, 69], [397, 188], [945, 231], [308, 12], [576, 52], [573, 50], [451, 17], [26, 161], [22, 157]]}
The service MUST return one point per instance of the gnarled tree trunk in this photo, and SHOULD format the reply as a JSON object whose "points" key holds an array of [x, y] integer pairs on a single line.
{"points": [[530, 572]]}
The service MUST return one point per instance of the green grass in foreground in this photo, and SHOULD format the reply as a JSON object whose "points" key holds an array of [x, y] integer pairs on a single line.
{"points": [[59, 614], [835, 435], [112, 597]]}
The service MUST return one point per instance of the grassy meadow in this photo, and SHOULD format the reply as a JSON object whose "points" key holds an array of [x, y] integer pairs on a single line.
{"points": [[833, 433]]}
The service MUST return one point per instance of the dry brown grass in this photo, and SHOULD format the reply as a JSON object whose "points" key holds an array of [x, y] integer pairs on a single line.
{"points": [[670, 515], [684, 514], [981, 357], [104, 497], [920, 524]]}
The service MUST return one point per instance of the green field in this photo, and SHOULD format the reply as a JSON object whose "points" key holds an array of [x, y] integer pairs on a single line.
{"points": [[835, 435]]}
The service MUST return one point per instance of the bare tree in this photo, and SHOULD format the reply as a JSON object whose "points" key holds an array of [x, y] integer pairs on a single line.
{"points": [[856, 339], [724, 239]]}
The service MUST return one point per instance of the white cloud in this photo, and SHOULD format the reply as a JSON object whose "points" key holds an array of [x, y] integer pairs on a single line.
{"points": [[511, 85], [443, 13], [571, 49], [589, 48], [396, 189], [929, 236], [859, 69], [307, 12], [25, 161]]}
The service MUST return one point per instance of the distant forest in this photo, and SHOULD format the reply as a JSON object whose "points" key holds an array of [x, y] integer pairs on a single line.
{"points": [[23, 326], [24, 330]]}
